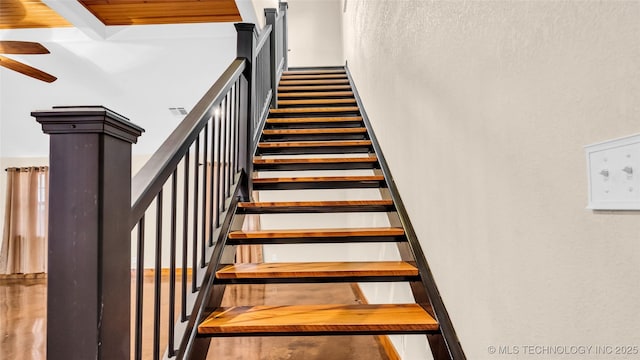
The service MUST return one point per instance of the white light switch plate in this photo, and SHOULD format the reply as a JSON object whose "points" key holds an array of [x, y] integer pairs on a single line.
{"points": [[614, 174]]}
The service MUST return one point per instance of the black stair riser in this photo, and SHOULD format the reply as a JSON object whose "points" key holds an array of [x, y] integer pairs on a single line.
{"points": [[303, 106], [320, 95], [316, 166], [321, 333], [311, 89], [315, 137], [315, 125], [319, 280], [320, 185], [316, 209], [315, 150], [317, 240], [314, 114]]}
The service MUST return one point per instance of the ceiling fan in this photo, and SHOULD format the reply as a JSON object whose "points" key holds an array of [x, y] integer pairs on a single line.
{"points": [[22, 48]]}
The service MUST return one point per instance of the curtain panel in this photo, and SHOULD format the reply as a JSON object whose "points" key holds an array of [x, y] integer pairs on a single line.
{"points": [[24, 240]]}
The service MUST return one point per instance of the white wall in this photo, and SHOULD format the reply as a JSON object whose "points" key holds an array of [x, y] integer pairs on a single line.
{"points": [[482, 109], [139, 73], [315, 33]]}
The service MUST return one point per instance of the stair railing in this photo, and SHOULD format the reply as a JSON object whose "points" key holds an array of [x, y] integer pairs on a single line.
{"points": [[182, 198]]}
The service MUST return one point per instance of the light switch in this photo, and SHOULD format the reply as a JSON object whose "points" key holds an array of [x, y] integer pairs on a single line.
{"points": [[614, 174]]}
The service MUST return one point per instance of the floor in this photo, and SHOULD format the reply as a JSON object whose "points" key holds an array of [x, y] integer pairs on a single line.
{"points": [[23, 324]]}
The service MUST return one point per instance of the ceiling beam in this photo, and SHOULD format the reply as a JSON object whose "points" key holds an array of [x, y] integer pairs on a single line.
{"points": [[80, 17]]}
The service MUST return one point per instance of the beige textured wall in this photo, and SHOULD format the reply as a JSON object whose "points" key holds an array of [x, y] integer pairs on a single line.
{"points": [[482, 109]]}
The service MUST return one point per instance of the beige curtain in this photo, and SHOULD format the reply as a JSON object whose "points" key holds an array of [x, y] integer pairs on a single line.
{"points": [[250, 253], [24, 240]]}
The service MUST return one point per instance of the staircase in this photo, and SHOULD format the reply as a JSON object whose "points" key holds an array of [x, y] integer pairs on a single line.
{"points": [[318, 125]]}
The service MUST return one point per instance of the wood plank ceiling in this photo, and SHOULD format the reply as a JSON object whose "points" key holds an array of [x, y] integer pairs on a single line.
{"points": [[21, 14], [144, 12], [24, 14]]}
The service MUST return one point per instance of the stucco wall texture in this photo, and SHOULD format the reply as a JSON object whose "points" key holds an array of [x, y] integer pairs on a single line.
{"points": [[482, 109]]}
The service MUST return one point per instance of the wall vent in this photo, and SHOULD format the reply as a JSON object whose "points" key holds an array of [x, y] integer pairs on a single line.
{"points": [[178, 111]]}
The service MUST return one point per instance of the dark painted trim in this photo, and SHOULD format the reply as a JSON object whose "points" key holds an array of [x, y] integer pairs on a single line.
{"points": [[297, 68], [322, 333], [317, 240], [89, 252], [316, 280]]}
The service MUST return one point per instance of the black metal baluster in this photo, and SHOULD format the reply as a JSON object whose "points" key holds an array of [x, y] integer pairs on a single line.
{"points": [[139, 289], [233, 166], [237, 130], [211, 183], [223, 146], [205, 167], [217, 170], [172, 268], [185, 235], [194, 238], [227, 149], [158, 279]]}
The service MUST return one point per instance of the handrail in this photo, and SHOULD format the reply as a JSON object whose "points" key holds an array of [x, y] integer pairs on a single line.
{"points": [[153, 175], [442, 316]]}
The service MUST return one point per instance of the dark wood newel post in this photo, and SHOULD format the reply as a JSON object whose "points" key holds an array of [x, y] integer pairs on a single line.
{"points": [[246, 47], [89, 260]]}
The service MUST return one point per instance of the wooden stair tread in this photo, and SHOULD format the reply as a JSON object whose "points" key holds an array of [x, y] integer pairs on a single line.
{"points": [[311, 233], [318, 88], [316, 94], [315, 82], [317, 269], [328, 318], [357, 130], [313, 76], [314, 109], [317, 101], [317, 71], [318, 179], [330, 143], [315, 203], [314, 120], [316, 160]]}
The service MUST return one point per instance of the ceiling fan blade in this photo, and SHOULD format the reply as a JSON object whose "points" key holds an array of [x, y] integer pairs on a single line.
{"points": [[26, 69], [22, 47]]}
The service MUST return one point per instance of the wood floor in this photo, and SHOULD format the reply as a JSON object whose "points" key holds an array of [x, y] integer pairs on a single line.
{"points": [[23, 324]]}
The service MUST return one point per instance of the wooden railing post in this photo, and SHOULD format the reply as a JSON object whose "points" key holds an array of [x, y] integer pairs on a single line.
{"points": [[285, 34], [246, 49], [89, 260]]}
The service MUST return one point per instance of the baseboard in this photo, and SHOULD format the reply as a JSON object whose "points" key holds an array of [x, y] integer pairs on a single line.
{"points": [[383, 340]]}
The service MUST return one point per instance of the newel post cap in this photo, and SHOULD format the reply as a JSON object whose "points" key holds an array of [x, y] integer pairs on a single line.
{"points": [[246, 27], [87, 119]]}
